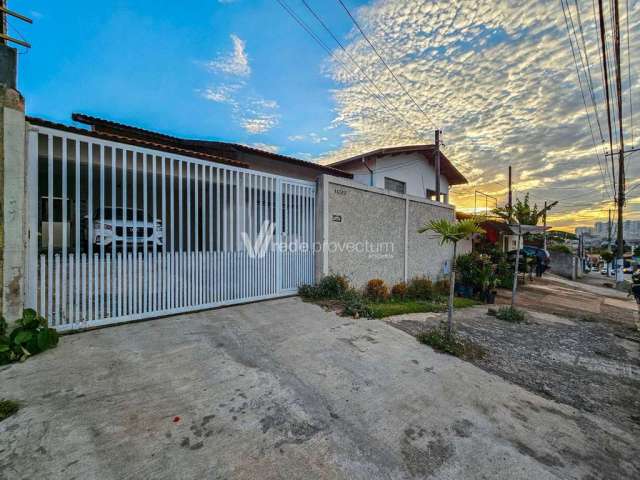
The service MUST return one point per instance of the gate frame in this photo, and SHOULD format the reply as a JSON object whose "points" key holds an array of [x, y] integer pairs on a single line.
{"points": [[32, 256]]}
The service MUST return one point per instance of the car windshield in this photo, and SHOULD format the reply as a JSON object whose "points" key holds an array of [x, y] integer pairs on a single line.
{"points": [[130, 213]]}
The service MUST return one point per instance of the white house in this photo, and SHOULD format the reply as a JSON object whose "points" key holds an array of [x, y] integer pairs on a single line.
{"points": [[409, 170]]}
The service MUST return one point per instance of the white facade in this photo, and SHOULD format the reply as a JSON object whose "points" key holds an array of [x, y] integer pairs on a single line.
{"points": [[412, 169]]}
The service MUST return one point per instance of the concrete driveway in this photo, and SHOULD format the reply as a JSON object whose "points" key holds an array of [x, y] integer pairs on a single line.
{"points": [[283, 389]]}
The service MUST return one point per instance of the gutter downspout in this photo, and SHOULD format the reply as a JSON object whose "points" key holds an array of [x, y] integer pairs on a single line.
{"points": [[364, 162]]}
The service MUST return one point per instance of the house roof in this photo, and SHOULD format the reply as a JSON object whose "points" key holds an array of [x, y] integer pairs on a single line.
{"points": [[222, 149], [452, 174], [138, 142]]}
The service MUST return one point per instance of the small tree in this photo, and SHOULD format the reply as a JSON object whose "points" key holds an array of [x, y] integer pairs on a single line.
{"points": [[452, 232], [523, 212]]}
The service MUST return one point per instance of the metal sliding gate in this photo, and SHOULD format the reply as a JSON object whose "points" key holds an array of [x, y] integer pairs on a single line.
{"points": [[126, 233]]}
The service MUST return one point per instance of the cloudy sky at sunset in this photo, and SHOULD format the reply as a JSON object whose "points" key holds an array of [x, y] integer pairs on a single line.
{"points": [[497, 77]]}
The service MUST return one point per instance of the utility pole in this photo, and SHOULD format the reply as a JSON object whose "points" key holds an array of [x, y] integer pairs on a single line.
{"points": [[3, 24], [544, 234], [609, 227], [510, 201], [437, 162], [621, 180]]}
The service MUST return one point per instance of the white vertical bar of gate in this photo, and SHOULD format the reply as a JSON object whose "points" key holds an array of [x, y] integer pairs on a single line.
{"points": [[196, 242], [134, 248], [188, 212], [154, 251], [125, 237], [145, 250], [172, 293], [50, 228], [279, 228], [217, 280], [181, 285], [163, 221], [115, 296], [78, 225], [89, 216], [64, 159], [203, 256], [251, 233], [223, 282], [102, 236]]}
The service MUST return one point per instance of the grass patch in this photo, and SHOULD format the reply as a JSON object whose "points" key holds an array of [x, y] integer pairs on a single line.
{"points": [[8, 408], [401, 307], [455, 345], [510, 314]]}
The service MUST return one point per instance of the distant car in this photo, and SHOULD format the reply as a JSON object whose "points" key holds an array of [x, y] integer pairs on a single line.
{"points": [[594, 268], [603, 271]]}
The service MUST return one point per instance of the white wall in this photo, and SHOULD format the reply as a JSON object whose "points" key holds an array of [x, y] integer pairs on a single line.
{"points": [[410, 168]]}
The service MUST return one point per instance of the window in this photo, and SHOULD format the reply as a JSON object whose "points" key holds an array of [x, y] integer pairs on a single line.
{"points": [[431, 195], [395, 185]]}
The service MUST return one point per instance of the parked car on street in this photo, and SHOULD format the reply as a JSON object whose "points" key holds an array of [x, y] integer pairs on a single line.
{"points": [[126, 228]]}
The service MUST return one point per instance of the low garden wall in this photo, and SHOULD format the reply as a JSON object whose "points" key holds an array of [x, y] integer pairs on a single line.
{"points": [[368, 232], [565, 264]]}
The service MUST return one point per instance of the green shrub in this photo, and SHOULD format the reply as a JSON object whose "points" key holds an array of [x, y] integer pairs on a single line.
{"points": [[441, 287], [8, 408], [330, 287], [510, 314], [466, 269], [453, 345], [399, 291], [376, 290], [333, 286], [31, 335], [355, 305], [3, 327], [420, 288]]}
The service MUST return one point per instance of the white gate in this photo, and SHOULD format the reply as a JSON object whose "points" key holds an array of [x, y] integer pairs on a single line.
{"points": [[126, 233]]}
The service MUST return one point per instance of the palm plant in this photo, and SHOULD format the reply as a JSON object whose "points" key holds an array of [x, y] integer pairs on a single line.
{"points": [[451, 233]]}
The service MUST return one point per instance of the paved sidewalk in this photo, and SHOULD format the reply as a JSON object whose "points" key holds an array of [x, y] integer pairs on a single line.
{"points": [[557, 295]]}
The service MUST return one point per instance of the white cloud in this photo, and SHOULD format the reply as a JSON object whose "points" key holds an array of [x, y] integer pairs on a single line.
{"points": [[266, 147], [312, 137], [235, 63], [497, 76], [259, 124], [221, 93]]}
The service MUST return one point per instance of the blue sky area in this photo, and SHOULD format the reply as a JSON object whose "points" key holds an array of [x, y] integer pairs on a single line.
{"points": [[145, 63]]}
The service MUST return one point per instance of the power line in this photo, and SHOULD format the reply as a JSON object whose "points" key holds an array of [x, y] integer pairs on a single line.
{"points": [[629, 72], [605, 72], [355, 22], [324, 46], [353, 60], [575, 61]]}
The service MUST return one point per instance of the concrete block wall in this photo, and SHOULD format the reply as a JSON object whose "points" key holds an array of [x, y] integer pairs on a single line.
{"points": [[367, 232], [566, 265]]}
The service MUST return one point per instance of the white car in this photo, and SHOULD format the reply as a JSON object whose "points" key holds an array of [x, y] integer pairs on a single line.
{"points": [[116, 231]]}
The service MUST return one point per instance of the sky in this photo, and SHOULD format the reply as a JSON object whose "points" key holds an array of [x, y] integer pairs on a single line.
{"points": [[497, 77]]}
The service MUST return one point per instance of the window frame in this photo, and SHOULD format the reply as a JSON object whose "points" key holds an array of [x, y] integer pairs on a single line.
{"points": [[398, 182]]}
